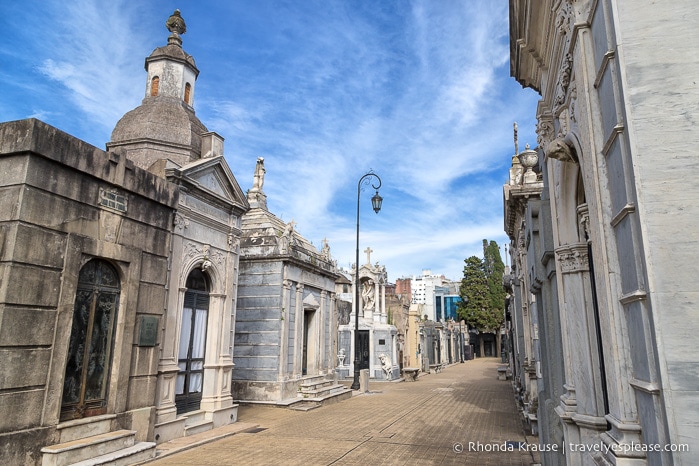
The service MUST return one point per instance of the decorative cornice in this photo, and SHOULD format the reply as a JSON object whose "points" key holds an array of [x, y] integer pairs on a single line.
{"points": [[634, 296], [606, 60], [625, 211], [613, 135], [647, 387]]}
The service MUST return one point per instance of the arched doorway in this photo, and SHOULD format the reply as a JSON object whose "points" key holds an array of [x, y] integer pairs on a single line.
{"points": [[91, 340], [195, 313]]}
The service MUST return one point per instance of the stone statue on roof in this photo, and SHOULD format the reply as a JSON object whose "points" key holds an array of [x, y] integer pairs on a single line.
{"points": [[175, 24], [259, 177]]}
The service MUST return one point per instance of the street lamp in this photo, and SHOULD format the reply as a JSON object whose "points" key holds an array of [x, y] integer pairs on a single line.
{"points": [[376, 201]]}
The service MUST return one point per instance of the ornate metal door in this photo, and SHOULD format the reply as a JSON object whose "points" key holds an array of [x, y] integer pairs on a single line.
{"points": [[363, 349], [91, 340]]}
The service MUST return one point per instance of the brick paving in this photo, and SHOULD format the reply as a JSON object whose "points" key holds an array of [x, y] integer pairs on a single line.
{"points": [[438, 419]]}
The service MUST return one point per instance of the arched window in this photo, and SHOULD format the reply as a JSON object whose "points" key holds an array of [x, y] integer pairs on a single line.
{"points": [[195, 313], [91, 339], [187, 93], [154, 86]]}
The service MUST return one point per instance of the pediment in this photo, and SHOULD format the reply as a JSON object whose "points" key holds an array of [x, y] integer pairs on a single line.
{"points": [[310, 301], [214, 176]]}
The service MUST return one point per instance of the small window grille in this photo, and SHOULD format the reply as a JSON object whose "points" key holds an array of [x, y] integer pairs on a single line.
{"points": [[113, 200]]}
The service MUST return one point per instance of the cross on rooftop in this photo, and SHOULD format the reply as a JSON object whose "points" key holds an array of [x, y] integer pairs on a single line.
{"points": [[368, 251]]}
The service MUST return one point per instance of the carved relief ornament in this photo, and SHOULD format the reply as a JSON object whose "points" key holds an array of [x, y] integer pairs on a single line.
{"points": [[544, 131], [573, 258], [564, 17], [584, 220], [233, 242], [181, 222], [564, 79], [560, 149], [198, 250]]}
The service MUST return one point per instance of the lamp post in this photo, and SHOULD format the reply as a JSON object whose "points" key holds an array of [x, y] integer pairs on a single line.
{"points": [[376, 201]]}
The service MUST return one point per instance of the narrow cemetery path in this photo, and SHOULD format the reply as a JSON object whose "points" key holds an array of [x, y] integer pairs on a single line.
{"points": [[443, 418]]}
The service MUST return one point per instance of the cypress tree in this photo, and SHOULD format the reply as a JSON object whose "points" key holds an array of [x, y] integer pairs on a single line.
{"points": [[481, 291]]}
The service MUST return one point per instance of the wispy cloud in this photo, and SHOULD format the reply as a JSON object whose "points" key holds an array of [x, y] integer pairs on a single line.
{"points": [[418, 91], [92, 56]]}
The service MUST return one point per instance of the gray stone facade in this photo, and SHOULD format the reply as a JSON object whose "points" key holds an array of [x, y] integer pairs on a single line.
{"points": [[66, 205], [532, 314], [164, 136], [617, 150], [286, 310], [118, 281], [382, 359]]}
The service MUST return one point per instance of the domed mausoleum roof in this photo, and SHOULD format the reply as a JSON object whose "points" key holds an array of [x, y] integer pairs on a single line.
{"points": [[164, 126], [163, 119], [172, 51]]}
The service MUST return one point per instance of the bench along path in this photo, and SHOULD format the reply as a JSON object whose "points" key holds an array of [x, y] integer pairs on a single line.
{"points": [[410, 374], [432, 421]]}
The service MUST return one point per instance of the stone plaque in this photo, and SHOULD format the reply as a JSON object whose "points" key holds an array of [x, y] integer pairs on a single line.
{"points": [[148, 336]]}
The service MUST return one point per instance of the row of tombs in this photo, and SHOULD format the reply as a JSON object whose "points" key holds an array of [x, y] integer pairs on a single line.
{"points": [[143, 293]]}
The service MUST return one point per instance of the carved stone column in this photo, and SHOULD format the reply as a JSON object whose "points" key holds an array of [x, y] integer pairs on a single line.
{"points": [[377, 302], [384, 312], [581, 406], [285, 319], [168, 369], [325, 356], [298, 333], [216, 394]]}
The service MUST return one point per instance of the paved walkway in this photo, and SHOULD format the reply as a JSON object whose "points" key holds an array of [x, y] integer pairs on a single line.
{"points": [[458, 416]]}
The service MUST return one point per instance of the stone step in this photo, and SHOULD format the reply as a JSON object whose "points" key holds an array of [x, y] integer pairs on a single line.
{"points": [[195, 417], [86, 427], [202, 425], [316, 385], [138, 453], [305, 406], [73, 451], [312, 379], [322, 391]]}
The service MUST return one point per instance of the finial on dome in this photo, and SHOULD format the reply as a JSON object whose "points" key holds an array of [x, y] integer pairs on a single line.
{"points": [[176, 25]]}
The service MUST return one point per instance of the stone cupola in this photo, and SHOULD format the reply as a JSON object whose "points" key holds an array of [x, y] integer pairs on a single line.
{"points": [[164, 129]]}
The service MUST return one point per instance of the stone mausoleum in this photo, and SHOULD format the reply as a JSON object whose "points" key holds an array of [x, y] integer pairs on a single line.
{"points": [[118, 278], [164, 136], [378, 340], [603, 286], [85, 238], [286, 321]]}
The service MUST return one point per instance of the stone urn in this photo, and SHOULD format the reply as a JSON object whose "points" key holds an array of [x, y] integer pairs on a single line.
{"points": [[528, 158]]}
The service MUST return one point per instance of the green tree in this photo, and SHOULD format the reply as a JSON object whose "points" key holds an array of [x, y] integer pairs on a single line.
{"points": [[494, 270], [474, 294], [482, 295]]}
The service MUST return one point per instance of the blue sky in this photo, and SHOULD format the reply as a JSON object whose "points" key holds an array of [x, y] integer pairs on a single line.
{"points": [[324, 90]]}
